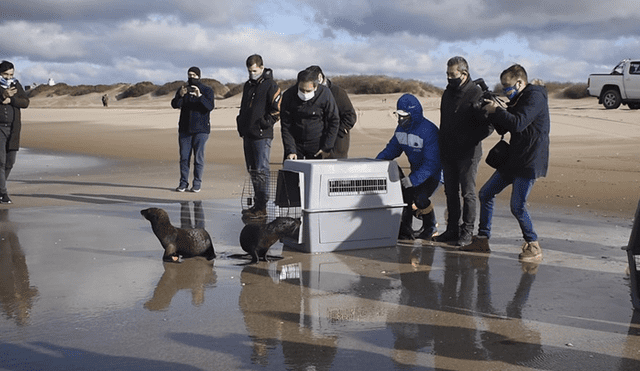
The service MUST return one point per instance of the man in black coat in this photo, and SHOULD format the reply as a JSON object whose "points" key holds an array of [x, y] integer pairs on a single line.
{"points": [[12, 99], [259, 111], [346, 111], [527, 120], [462, 129], [309, 119]]}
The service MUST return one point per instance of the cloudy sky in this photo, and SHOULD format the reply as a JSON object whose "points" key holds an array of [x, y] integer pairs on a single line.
{"points": [[111, 41]]}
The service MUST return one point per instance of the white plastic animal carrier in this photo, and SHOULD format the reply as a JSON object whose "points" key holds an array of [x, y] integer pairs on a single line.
{"points": [[345, 204]]}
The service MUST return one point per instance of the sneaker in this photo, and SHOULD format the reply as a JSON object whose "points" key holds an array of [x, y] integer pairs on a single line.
{"points": [[195, 189], [4, 199], [254, 213], [478, 244], [531, 252], [448, 236], [465, 239], [181, 189]]}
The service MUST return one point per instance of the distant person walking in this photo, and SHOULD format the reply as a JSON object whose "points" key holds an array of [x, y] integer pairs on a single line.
{"points": [[105, 100], [195, 101], [346, 112], [527, 119], [309, 119], [12, 99], [259, 111]]}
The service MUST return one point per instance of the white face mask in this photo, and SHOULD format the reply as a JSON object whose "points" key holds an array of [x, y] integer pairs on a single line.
{"points": [[306, 96]]}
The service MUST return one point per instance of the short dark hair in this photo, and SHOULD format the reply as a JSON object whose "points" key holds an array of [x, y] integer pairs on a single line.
{"points": [[316, 70], [462, 64], [5, 66], [515, 72], [308, 76], [254, 59]]}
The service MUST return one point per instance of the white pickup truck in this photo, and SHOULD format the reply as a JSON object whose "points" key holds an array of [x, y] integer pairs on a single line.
{"points": [[621, 86]]}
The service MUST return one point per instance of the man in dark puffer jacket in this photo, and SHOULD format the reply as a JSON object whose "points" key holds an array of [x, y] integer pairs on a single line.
{"points": [[259, 111]]}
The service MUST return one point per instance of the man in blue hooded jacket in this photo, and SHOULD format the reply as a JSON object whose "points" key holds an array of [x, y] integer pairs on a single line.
{"points": [[417, 137], [195, 101]]}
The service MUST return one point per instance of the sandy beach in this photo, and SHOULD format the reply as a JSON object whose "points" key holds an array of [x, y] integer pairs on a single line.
{"points": [[83, 286], [594, 163]]}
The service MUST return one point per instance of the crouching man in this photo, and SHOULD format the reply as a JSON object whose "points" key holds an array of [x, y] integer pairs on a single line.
{"points": [[417, 137]]}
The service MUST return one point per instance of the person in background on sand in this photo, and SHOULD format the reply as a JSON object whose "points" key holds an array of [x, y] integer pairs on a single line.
{"points": [[526, 118], [346, 111], [309, 119], [259, 111], [105, 100], [462, 129], [12, 99], [417, 137], [195, 101]]}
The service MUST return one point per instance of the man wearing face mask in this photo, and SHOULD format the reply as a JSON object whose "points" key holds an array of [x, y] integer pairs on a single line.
{"points": [[309, 119], [259, 111], [462, 129], [195, 101], [12, 99], [347, 114], [527, 120], [417, 138]]}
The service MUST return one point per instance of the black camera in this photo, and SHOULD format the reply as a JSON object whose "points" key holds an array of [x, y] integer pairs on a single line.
{"points": [[486, 95]]}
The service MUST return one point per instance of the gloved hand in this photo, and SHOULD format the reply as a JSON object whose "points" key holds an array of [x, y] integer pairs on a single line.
{"points": [[406, 182]]}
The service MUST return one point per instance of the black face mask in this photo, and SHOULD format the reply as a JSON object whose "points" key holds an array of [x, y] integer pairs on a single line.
{"points": [[455, 83], [404, 121], [192, 81]]}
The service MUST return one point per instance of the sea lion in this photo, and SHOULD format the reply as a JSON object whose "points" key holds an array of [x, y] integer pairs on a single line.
{"points": [[256, 239], [185, 242]]}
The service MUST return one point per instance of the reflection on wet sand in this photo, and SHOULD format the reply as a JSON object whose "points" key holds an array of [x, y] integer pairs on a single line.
{"points": [[17, 296], [195, 274]]}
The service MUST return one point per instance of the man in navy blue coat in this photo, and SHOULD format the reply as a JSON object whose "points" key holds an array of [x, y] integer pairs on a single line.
{"points": [[195, 101], [527, 120]]}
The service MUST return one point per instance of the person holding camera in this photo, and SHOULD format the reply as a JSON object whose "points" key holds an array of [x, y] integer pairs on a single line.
{"points": [[195, 101], [527, 120], [417, 138], [462, 129], [12, 99], [309, 119]]}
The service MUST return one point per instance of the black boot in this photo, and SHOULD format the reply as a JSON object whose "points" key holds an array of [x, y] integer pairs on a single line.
{"points": [[406, 225], [428, 226]]}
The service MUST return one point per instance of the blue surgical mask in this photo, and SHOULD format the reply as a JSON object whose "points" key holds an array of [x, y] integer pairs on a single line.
{"points": [[510, 92]]}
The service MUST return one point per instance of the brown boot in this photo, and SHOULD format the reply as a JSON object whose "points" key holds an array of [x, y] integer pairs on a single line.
{"points": [[531, 252], [478, 244]]}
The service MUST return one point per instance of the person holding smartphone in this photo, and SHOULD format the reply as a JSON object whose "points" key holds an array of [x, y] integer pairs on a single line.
{"points": [[12, 99], [195, 101]]}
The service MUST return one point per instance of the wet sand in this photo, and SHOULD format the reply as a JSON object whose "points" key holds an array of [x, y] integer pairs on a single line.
{"points": [[83, 286]]}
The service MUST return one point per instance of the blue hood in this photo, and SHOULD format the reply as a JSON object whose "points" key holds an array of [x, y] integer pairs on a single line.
{"points": [[411, 104]]}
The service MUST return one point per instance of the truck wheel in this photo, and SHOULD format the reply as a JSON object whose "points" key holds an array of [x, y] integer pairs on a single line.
{"points": [[611, 99]]}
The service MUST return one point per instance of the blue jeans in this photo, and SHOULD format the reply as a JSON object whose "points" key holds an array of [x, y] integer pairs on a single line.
{"points": [[192, 144], [257, 154], [519, 194]]}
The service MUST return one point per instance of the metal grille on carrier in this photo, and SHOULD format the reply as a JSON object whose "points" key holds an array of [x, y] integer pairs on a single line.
{"points": [[279, 205]]}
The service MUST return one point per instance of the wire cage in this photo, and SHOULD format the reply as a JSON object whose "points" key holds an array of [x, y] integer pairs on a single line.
{"points": [[282, 196]]}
